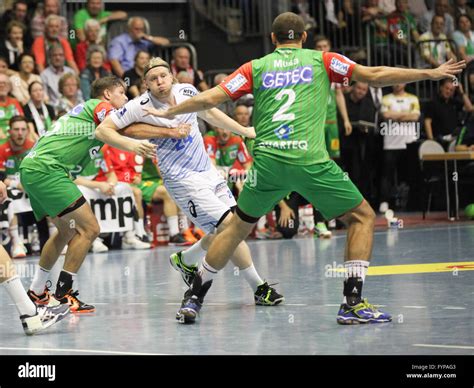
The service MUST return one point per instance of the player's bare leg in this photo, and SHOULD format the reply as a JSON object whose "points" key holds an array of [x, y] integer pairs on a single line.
{"points": [[170, 210], [78, 229], [33, 318], [231, 235]]}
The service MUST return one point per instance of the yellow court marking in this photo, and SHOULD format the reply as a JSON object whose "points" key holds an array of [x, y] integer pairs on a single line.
{"points": [[417, 268]]}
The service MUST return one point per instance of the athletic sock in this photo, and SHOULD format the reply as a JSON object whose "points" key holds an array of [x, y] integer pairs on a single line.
{"points": [[193, 255], [65, 282], [17, 293], [139, 228], [356, 270], [206, 271], [261, 223], [252, 277], [39, 280], [173, 225], [14, 234]]}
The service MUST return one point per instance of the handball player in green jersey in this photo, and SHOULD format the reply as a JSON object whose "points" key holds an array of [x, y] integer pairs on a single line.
{"points": [[291, 88], [47, 174]]}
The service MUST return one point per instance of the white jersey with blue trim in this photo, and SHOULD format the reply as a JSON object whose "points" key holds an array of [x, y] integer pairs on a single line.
{"points": [[177, 158]]}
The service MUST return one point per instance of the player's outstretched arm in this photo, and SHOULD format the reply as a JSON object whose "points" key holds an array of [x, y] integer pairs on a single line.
{"points": [[107, 133], [203, 101], [381, 76], [147, 131], [219, 119]]}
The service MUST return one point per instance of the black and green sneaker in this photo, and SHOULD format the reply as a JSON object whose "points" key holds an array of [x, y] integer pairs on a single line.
{"points": [[267, 296], [187, 272]]}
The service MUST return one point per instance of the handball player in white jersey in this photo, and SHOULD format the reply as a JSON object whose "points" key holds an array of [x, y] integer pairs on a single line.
{"points": [[187, 172]]}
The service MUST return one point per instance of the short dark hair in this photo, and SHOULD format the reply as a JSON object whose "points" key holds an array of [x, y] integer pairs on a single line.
{"points": [[109, 82], [288, 27], [30, 86], [462, 16], [16, 119], [320, 38]]}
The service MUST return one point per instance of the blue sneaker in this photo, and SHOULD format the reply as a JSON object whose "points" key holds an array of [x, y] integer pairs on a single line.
{"points": [[363, 312], [193, 300]]}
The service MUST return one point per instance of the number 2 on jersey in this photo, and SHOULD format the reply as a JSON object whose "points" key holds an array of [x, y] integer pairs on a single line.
{"points": [[181, 143], [280, 114]]}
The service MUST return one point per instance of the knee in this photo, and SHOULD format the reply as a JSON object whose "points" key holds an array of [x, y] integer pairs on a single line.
{"points": [[363, 214], [92, 231]]}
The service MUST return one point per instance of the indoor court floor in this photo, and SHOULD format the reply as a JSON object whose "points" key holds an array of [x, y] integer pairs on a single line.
{"points": [[423, 276]]}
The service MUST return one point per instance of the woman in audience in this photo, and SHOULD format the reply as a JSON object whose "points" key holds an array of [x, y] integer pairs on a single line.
{"points": [[13, 46], [25, 76], [71, 95], [464, 38], [94, 70], [39, 114]]}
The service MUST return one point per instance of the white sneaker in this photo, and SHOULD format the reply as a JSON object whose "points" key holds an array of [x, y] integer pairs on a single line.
{"points": [[45, 317], [134, 243], [98, 246], [383, 207], [18, 251], [322, 231]]}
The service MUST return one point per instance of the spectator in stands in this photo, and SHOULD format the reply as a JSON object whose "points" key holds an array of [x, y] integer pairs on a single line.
{"points": [[70, 92], [22, 80], [41, 45], [436, 53], [184, 77], [462, 8], [9, 107], [464, 38], [134, 77], [13, 46], [95, 10], [4, 67], [126, 167], [401, 24], [95, 69], [400, 112], [123, 48], [182, 62], [50, 7], [91, 29], [18, 13], [441, 9], [40, 115], [241, 114], [54, 71], [230, 155], [11, 154], [353, 147], [442, 113], [417, 8]]}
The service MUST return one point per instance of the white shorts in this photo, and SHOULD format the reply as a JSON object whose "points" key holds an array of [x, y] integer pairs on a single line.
{"points": [[203, 196]]}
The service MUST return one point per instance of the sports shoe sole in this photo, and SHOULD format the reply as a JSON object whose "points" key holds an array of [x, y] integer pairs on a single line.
{"points": [[276, 302]]}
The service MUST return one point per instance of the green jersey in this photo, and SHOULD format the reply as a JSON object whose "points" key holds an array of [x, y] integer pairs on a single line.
{"points": [[291, 89], [70, 145]]}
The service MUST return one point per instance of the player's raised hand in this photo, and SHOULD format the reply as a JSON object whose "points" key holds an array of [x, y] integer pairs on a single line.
{"points": [[249, 132], [156, 112], [183, 130], [3, 192], [448, 69], [145, 148]]}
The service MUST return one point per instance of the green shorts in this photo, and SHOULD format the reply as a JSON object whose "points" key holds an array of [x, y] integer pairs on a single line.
{"points": [[148, 188], [50, 192], [331, 135], [324, 185]]}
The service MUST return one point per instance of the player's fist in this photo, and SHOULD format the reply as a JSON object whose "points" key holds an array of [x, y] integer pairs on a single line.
{"points": [[183, 130], [145, 148], [250, 132]]}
